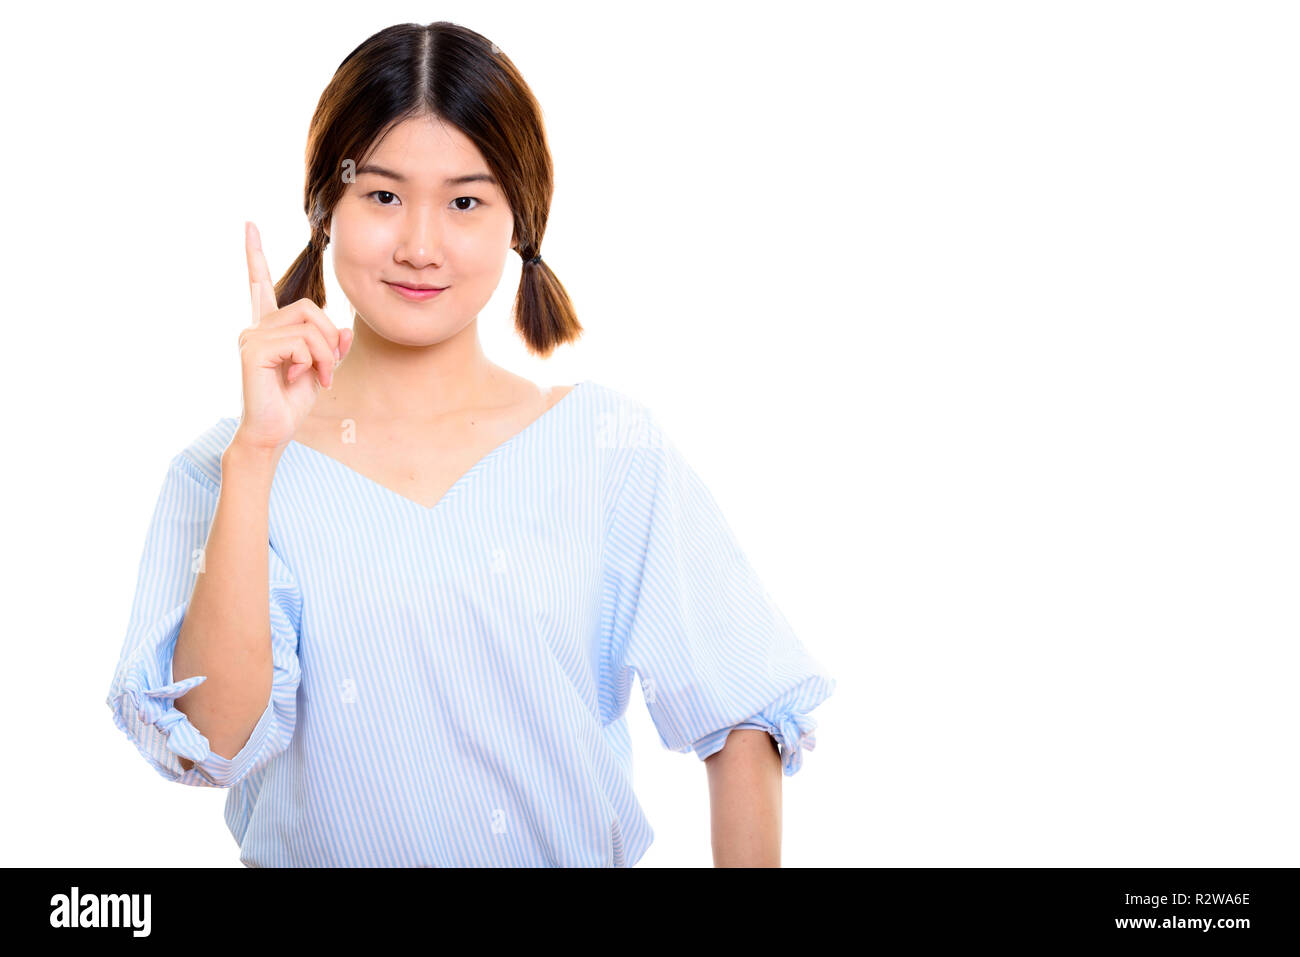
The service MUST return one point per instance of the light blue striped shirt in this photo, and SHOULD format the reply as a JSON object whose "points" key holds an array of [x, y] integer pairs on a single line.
{"points": [[450, 683]]}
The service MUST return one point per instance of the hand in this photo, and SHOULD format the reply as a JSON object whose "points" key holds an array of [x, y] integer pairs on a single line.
{"points": [[287, 355]]}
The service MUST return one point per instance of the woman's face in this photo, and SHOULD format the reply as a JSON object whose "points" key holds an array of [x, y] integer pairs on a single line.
{"points": [[413, 216]]}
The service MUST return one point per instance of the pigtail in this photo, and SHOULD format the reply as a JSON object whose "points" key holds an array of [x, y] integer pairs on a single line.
{"points": [[306, 277], [544, 314]]}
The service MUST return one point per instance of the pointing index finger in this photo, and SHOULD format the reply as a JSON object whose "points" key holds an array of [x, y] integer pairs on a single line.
{"points": [[261, 288]]}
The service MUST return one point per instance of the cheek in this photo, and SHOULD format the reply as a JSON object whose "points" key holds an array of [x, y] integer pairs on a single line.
{"points": [[359, 244], [488, 241], [363, 245], [477, 250]]}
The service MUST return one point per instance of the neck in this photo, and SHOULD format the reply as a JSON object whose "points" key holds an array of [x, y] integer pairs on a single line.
{"points": [[385, 380]]}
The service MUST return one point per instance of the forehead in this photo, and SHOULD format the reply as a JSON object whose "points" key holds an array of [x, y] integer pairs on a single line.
{"points": [[425, 149]]}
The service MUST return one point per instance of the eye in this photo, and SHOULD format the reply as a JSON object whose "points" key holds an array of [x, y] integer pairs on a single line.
{"points": [[381, 192], [464, 209]]}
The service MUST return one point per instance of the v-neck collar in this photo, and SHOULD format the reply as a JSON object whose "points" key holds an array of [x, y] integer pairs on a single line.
{"points": [[464, 476]]}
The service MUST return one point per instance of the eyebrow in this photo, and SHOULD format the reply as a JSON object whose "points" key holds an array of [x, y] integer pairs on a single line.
{"points": [[453, 181]]}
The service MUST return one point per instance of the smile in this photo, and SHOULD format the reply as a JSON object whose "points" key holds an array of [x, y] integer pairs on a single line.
{"points": [[415, 295]]}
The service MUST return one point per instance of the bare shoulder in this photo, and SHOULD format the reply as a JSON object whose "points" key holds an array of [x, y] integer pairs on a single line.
{"points": [[556, 393], [536, 399]]}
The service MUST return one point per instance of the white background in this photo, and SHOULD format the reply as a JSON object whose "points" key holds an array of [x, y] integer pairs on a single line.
{"points": [[978, 319]]}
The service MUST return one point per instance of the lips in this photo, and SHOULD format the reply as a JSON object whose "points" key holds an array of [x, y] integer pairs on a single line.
{"points": [[412, 294]]}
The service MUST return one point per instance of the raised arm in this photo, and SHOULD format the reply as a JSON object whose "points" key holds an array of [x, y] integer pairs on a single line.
{"points": [[226, 633], [745, 800]]}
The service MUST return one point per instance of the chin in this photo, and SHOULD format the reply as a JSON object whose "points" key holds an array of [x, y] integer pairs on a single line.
{"points": [[408, 327]]}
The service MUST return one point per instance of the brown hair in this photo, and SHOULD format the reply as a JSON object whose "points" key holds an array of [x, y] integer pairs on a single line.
{"points": [[460, 77]]}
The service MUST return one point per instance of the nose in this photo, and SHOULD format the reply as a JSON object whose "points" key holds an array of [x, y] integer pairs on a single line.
{"points": [[420, 240]]}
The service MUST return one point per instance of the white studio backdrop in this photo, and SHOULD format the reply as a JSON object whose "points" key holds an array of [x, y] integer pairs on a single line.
{"points": [[979, 321]]}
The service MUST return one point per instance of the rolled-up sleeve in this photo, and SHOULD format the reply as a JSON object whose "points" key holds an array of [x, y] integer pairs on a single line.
{"points": [[687, 614], [143, 693]]}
